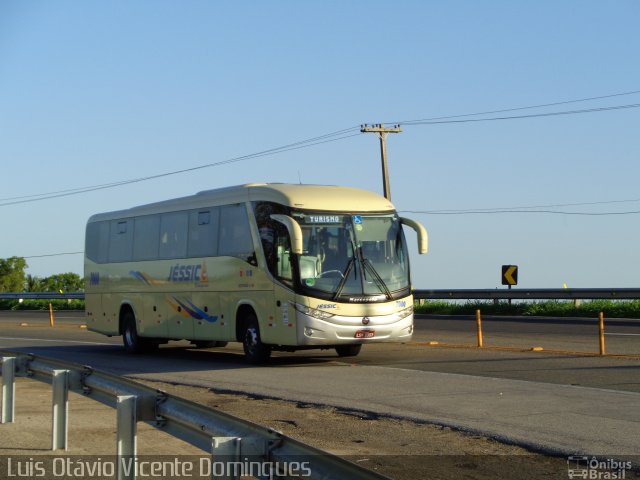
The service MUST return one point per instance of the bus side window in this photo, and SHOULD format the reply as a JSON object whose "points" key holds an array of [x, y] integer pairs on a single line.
{"points": [[276, 244], [173, 235], [146, 238], [97, 242], [235, 235], [121, 240], [203, 233]]}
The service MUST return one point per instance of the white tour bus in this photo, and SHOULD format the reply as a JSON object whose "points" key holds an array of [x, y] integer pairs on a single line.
{"points": [[274, 266]]}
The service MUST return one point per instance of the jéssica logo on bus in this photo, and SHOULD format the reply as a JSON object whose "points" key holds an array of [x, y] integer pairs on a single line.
{"points": [[188, 273]]}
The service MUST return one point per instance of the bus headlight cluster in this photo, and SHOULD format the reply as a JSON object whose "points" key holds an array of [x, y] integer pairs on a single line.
{"points": [[312, 312], [405, 313]]}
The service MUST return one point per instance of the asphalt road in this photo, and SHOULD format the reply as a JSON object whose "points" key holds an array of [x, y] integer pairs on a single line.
{"points": [[551, 410], [507, 353]]}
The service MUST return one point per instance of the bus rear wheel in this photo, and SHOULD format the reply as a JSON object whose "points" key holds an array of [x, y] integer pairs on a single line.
{"points": [[132, 342], [255, 351], [348, 350]]}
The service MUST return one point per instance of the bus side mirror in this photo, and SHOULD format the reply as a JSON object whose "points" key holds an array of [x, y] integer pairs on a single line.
{"points": [[295, 232], [423, 237]]}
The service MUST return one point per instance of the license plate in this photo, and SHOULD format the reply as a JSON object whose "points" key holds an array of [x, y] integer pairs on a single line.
{"points": [[365, 334]]}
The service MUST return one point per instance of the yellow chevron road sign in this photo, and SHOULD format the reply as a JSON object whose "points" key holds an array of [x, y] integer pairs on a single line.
{"points": [[509, 275]]}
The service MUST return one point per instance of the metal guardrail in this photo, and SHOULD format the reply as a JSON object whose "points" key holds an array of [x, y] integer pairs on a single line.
{"points": [[225, 437], [41, 296], [530, 294], [437, 294]]}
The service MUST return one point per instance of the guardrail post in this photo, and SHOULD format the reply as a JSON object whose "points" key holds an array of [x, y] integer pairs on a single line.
{"points": [[8, 389], [127, 436], [229, 449], [479, 323], [601, 328], [60, 428]]}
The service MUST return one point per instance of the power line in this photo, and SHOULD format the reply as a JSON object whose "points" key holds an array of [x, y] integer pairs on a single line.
{"points": [[54, 254], [564, 102], [531, 115], [527, 207], [331, 137], [326, 138], [493, 212]]}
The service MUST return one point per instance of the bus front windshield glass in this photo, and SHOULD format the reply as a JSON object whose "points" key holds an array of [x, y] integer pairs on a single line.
{"points": [[353, 255]]}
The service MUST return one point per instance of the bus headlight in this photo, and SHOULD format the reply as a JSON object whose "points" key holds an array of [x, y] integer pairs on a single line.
{"points": [[312, 312], [405, 313]]}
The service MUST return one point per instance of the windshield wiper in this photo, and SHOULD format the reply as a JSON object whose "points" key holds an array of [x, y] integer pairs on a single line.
{"points": [[367, 265], [350, 265], [345, 276]]}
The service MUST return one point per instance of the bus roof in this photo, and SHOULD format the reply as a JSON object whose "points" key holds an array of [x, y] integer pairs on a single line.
{"points": [[307, 197]]}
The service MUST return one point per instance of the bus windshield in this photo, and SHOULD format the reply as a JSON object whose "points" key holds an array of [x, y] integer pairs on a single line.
{"points": [[361, 257]]}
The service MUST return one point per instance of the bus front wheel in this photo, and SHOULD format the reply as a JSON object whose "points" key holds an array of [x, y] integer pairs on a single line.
{"points": [[254, 350]]}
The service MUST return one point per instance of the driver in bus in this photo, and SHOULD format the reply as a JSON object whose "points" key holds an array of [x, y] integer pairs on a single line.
{"points": [[329, 251]]}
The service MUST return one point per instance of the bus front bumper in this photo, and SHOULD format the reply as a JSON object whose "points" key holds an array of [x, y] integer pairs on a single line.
{"points": [[339, 330]]}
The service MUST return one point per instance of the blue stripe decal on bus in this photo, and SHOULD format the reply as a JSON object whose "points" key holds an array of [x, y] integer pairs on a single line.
{"points": [[193, 310]]}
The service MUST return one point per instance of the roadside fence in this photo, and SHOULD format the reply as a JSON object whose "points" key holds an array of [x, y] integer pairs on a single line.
{"points": [[234, 441], [601, 333], [575, 294]]}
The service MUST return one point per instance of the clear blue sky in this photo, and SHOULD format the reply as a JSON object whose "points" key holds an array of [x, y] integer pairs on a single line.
{"points": [[98, 92]]}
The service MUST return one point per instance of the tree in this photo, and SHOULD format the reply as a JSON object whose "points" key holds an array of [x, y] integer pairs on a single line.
{"points": [[67, 282], [33, 284], [12, 277]]}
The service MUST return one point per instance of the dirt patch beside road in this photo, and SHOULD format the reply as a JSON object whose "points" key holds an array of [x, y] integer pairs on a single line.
{"points": [[400, 449]]}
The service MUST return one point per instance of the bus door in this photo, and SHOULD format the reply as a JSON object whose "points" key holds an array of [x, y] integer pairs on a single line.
{"points": [[282, 325]]}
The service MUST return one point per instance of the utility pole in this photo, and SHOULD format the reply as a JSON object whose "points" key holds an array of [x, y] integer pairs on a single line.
{"points": [[382, 135]]}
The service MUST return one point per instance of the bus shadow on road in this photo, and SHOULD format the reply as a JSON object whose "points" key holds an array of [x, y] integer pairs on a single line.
{"points": [[172, 359]]}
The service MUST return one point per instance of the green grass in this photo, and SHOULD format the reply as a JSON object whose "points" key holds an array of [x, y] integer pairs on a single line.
{"points": [[555, 308], [42, 304]]}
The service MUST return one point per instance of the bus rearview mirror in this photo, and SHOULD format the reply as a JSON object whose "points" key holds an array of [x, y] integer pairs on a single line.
{"points": [[295, 232], [423, 237]]}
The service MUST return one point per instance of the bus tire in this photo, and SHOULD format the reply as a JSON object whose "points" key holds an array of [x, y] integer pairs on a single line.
{"points": [[255, 351], [348, 350], [133, 343]]}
